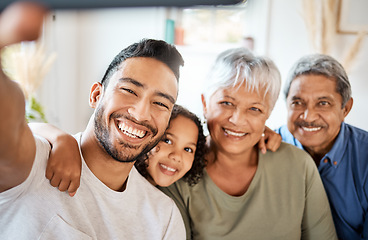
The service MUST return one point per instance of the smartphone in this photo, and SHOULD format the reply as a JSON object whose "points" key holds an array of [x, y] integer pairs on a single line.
{"points": [[90, 4]]}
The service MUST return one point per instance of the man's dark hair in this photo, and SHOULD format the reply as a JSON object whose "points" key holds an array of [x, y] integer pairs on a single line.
{"points": [[157, 49]]}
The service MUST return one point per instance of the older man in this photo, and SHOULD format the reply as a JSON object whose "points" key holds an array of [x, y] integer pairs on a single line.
{"points": [[318, 97]]}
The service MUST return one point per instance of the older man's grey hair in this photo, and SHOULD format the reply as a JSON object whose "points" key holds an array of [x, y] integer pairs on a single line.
{"points": [[236, 66], [323, 65]]}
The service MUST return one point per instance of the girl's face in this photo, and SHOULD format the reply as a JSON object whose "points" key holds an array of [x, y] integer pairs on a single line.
{"points": [[172, 158]]}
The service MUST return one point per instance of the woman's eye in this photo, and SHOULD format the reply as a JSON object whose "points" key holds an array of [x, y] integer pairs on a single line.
{"points": [[255, 109], [226, 103]]}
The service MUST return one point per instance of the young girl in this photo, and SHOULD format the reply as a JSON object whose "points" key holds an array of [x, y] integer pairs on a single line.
{"points": [[180, 154]]}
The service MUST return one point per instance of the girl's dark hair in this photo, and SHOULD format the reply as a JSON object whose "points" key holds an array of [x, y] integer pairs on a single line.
{"points": [[195, 173]]}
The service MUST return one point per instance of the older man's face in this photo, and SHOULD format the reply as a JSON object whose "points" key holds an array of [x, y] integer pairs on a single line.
{"points": [[315, 112]]}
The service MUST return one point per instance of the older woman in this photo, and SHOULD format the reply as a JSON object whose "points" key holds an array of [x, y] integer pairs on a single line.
{"points": [[244, 194]]}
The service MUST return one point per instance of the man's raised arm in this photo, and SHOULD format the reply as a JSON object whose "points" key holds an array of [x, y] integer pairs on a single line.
{"points": [[19, 22]]}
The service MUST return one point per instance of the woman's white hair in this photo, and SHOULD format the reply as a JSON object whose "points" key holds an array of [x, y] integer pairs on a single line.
{"points": [[238, 66]]}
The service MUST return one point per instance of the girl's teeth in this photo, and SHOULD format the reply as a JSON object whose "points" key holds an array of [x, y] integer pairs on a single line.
{"points": [[168, 168]]}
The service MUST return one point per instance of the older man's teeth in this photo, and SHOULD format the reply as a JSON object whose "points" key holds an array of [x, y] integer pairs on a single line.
{"points": [[234, 133], [311, 129], [129, 131], [168, 168]]}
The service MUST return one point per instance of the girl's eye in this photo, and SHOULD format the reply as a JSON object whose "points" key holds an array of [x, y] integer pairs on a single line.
{"points": [[166, 140], [187, 149]]}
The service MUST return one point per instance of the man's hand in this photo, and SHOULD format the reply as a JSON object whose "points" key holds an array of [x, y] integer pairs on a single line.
{"points": [[270, 141], [21, 21]]}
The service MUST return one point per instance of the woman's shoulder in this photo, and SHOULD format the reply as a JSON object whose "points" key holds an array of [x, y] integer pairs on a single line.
{"points": [[290, 155]]}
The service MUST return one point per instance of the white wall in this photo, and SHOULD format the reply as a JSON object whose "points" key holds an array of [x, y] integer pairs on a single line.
{"points": [[86, 42]]}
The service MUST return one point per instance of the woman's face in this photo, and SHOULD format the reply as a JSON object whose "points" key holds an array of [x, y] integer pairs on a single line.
{"points": [[172, 158], [236, 118]]}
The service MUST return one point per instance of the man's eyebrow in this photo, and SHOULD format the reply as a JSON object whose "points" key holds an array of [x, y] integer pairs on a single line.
{"points": [[132, 81], [296, 98], [158, 93], [167, 96], [325, 98]]}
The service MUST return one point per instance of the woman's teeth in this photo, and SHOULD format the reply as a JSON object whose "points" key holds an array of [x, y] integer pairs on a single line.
{"points": [[234, 133]]}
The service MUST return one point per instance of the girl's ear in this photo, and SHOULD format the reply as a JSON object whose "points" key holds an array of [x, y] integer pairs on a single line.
{"points": [[95, 94], [204, 105]]}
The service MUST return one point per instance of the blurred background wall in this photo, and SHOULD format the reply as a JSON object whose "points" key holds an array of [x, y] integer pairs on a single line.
{"points": [[86, 41]]}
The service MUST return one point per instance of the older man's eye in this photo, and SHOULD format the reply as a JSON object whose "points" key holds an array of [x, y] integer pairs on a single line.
{"points": [[324, 103]]}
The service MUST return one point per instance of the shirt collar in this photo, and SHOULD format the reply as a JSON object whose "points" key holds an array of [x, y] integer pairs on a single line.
{"points": [[335, 155]]}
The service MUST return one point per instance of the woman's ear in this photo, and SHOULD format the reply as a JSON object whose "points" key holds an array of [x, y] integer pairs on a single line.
{"points": [[204, 105], [95, 94]]}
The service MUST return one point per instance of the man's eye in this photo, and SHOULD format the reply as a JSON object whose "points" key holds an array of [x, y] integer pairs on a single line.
{"points": [[162, 105], [324, 103], [296, 103], [129, 91]]}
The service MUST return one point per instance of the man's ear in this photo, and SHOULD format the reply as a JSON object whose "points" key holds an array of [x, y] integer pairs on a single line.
{"points": [[204, 105], [348, 106], [95, 94]]}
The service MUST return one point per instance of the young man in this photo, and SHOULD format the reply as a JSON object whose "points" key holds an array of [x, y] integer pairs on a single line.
{"points": [[318, 96], [132, 105]]}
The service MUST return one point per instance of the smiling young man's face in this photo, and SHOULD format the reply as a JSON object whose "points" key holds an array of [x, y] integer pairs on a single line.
{"points": [[133, 111], [315, 112]]}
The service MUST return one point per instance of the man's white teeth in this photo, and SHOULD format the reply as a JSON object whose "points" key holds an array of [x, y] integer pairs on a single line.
{"points": [[168, 168], [311, 129], [234, 133], [129, 131]]}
